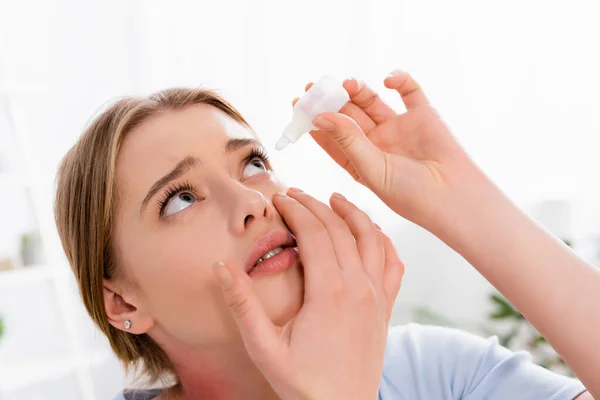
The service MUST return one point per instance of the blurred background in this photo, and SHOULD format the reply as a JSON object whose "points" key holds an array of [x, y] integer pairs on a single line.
{"points": [[517, 81]]}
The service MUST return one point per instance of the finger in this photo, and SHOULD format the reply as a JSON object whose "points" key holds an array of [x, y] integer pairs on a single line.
{"points": [[368, 101], [314, 245], [410, 91], [368, 240], [357, 114], [334, 151], [258, 332], [295, 99], [352, 110], [393, 270], [366, 158], [343, 242]]}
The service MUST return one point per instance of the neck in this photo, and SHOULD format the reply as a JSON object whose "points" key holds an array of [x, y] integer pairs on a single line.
{"points": [[223, 373]]}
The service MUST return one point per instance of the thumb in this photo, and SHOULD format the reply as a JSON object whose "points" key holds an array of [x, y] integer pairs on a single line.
{"points": [[366, 158], [258, 332]]}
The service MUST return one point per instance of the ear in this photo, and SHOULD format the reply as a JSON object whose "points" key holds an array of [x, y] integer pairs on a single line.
{"points": [[121, 304]]}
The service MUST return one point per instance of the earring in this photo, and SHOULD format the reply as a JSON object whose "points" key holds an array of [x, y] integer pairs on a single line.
{"points": [[127, 324]]}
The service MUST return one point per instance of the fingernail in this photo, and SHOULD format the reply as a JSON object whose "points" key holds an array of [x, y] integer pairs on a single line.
{"points": [[295, 190], [323, 124], [280, 194], [394, 73], [224, 275], [339, 197]]}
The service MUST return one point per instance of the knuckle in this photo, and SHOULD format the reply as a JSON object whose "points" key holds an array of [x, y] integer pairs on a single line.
{"points": [[366, 296], [239, 303], [371, 99], [338, 291], [347, 164], [406, 78], [316, 228], [400, 266], [338, 227], [345, 109], [360, 216], [346, 141]]}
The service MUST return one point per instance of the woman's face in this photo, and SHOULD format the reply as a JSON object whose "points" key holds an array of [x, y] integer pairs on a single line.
{"points": [[194, 189]]}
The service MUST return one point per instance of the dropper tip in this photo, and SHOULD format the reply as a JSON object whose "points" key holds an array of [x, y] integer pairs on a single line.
{"points": [[282, 143]]}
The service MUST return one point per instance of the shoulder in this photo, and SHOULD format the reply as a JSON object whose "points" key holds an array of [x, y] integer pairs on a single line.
{"points": [[439, 362], [434, 337], [438, 347]]}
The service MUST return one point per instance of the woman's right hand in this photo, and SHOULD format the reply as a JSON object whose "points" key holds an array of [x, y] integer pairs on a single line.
{"points": [[334, 347], [409, 160]]}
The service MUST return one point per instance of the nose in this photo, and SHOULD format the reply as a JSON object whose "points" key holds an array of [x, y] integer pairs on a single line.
{"points": [[248, 207]]}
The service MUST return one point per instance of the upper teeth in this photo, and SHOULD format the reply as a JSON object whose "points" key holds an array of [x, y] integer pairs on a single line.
{"points": [[270, 254]]}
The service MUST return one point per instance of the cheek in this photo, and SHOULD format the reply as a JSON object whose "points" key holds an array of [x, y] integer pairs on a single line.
{"points": [[180, 256], [173, 268], [277, 185]]}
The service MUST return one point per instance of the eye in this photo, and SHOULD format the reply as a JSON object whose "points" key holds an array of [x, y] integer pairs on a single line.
{"points": [[178, 202], [256, 165]]}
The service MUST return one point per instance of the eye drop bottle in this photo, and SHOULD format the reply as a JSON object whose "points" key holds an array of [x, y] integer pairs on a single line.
{"points": [[327, 95]]}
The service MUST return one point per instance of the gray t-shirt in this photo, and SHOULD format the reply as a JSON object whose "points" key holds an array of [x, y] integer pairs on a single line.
{"points": [[431, 363]]}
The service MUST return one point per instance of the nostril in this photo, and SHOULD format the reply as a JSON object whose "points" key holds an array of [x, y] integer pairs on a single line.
{"points": [[247, 219]]}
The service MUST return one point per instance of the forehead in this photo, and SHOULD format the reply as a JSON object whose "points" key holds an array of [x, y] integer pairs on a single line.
{"points": [[172, 131], [155, 146]]}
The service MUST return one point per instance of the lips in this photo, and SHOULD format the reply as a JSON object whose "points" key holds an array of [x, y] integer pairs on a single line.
{"points": [[268, 247]]}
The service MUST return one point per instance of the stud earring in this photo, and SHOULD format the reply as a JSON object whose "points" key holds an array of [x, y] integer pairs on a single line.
{"points": [[127, 324]]}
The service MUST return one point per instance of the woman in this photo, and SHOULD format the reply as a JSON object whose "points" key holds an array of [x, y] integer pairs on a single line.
{"points": [[197, 266]]}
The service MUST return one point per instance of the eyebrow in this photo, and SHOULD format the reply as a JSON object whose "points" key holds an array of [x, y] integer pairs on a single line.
{"points": [[180, 169], [236, 144], [189, 163]]}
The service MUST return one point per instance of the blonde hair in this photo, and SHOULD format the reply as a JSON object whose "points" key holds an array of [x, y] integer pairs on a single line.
{"points": [[85, 210]]}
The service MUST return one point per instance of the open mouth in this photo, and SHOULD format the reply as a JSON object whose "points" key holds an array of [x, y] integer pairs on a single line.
{"points": [[272, 253], [269, 254]]}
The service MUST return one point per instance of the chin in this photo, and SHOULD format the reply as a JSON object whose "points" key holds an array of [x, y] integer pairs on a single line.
{"points": [[282, 294]]}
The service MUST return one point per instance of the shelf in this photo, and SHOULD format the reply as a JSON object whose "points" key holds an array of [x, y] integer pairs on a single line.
{"points": [[29, 274], [19, 375]]}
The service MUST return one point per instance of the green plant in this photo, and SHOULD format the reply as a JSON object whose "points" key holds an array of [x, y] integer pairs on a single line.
{"points": [[1, 327], [511, 328], [521, 335], [26, 238]]}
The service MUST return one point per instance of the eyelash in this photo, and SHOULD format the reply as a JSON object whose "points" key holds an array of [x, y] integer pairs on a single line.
{"points": [[260, 153], [171, 191], [177, 188]]}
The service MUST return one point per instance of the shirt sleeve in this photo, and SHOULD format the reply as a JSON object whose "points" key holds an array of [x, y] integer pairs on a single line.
{"points": [[138, 394], [428, 362]]}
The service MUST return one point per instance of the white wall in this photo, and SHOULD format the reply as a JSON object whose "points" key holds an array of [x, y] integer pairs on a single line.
{"points": [[517, 81]]}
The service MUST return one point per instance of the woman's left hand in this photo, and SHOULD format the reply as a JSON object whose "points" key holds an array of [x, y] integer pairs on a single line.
{"points": [[334, 347]]}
